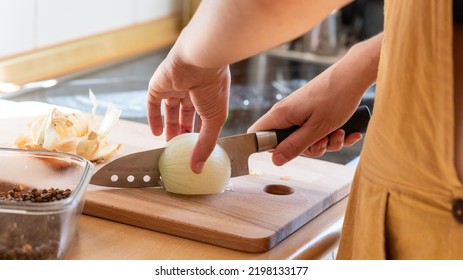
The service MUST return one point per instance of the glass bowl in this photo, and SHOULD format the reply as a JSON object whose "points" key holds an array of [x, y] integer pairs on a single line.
{"points": [[41, 199]]}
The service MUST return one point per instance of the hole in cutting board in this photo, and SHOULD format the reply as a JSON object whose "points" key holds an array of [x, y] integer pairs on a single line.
{"points": [[278, 189]]}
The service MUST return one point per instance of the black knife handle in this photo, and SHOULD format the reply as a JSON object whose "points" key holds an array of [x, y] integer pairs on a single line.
{"points": [[357, 123]]}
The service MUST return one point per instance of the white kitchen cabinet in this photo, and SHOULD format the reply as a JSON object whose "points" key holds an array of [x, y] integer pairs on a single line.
{"points": [[17, 26], [28, 25]]}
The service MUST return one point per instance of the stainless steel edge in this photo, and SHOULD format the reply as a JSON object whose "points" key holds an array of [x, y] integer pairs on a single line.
{"points": [[266, 140], [239, 148], [136, 170]]}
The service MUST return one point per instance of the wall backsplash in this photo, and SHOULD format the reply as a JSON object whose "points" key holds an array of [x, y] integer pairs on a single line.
{"points": [[28, 25]]}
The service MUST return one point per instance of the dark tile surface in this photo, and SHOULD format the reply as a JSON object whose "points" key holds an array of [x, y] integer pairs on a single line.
{"points": [[257, 83]]}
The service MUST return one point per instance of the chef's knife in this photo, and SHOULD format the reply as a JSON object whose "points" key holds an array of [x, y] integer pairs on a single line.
{"points": [[140, 169]]}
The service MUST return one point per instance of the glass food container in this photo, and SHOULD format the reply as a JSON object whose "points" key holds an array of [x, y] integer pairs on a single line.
{"points": [[41, 200]]}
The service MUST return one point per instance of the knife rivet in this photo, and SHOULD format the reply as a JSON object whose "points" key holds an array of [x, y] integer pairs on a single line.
{"points": [[114, 178], [146, 178], [130, 178]]}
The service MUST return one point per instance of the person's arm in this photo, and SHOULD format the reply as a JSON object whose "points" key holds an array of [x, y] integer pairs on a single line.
{"points": [[223, 32], [195, 74], [323, 105]]}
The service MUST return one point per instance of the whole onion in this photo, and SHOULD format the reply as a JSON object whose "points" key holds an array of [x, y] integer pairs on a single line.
{"points": [[177, 176]]}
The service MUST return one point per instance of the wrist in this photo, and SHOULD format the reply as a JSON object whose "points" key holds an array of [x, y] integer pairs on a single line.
{"points": [[182, 57], [187, 51], [186, 76]]}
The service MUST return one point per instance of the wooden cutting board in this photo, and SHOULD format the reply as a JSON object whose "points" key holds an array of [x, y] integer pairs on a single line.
{"points": [[255, 214]]}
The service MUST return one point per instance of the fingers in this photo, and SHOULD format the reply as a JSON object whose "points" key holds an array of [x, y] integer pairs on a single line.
{"points": [[187, 115], [185, 89], [288, 149], [352, 138], [338, 140], [198, 123], [204, 147], [294, 145], [154, 114], [318, 149], [171, 113], [335, 142], [179, 115]]}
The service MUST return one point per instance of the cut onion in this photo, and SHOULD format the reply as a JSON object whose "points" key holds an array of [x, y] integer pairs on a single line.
{"points": [[177, 176]]}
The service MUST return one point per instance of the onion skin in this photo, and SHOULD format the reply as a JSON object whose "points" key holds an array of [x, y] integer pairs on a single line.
{"points": [[72, 133], [177, 176]]}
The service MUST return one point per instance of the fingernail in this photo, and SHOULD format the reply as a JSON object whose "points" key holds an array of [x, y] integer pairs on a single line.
{"points": [[280, 159], [199, 167]]}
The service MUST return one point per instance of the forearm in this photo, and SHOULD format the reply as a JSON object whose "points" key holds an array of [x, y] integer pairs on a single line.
{"points": [[358, 69], [225, 31]]}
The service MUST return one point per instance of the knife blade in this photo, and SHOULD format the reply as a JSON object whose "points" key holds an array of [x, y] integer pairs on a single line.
{"points": [[139, 170]]}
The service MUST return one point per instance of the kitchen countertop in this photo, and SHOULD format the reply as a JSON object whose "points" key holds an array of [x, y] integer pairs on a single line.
{"points": [[103, 239], [99, 238], [257, 83]]}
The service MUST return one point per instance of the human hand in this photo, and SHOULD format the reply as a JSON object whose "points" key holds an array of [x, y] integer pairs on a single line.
{"points": [[187, 89], [332, 143], [323, 105], [318, 113]]}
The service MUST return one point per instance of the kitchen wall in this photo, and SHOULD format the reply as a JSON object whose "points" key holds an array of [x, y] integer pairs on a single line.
{"points": [[47, 39], [28, 25]]}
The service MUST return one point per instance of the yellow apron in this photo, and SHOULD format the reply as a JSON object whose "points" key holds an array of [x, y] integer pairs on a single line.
{"points": [[406, 184]]}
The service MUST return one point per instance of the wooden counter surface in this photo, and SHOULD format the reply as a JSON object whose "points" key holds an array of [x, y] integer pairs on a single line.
{"points": [[102, 239]]}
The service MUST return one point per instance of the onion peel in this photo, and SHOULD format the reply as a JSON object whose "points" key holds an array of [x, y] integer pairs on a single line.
{"points": [[72, 133]]}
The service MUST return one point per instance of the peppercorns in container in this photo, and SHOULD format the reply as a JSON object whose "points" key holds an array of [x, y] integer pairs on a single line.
{"points": [[41, 200]]}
